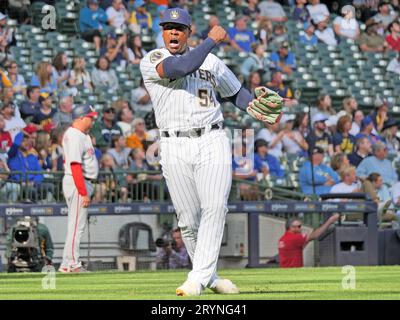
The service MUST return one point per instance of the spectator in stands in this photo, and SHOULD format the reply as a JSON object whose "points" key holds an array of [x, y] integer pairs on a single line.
{"points": [[241, 38], [103, 130], [395, 191], [119, 152], [5, 140], [44, 78], [349, 182], [279, 35], [13, 123], [394, 65], [300, 13], [365, 9], [111, 185], [4, 81], [324, 176], [140, 99], [117, 15], [194, 39], [301, 123], [389, 135], [19, 10], [308, 38], [9, 191], [323, 32], [393, 39], [252, 11], [44, 116], [135, 49], [140, 17], [347, 26], [380, 114], [265, 31], [339, 161], [56, 150], [243, 168], [264, 162], [29, 107], [253, 81], [212, 22], [384, 17], [63, 116], [156, 21], [139, 137], [42, 147], [319, 137], [368, 130], [6, 33], [80, 76], [283, 60], [293, 242], [271, 134], [21, 161], [61, 70], [125, 118], [7, 96], [115, 49], [324, 106], [272, 10], [17, 80], [256, 61], [350, 105], [92, 20], [378, 163], [362, 150], [371, 41], [278, 86], [293, 141], [342, 140], [377, 189], [103, 76], [357, 117], [315, 8]]}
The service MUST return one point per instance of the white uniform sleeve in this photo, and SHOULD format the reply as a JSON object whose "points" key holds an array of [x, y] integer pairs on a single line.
{"points": [[228, 84], [149, 63]]}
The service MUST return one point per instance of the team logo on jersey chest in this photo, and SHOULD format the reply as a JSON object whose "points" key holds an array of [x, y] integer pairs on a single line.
{"points": [[174, 14], [155, 56]]}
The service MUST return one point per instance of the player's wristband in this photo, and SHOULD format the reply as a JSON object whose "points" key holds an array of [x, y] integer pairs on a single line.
{"points": [[77, 174], [176, 67]]}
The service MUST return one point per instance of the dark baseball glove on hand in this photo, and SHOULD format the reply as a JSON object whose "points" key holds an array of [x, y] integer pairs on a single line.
{"points": [[267, 106]]}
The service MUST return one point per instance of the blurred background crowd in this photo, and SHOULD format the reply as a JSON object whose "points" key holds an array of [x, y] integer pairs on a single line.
{"points": [[337, 61]]}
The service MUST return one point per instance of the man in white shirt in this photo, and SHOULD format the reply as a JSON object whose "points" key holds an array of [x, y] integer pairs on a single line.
{"points": [[117, 15], [270, 134], [348, 184], [272, 10], [385, 16], [323, 32], [347, 26], [315, 9]]}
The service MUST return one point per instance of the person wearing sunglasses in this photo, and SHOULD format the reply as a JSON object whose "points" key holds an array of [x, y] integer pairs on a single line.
{"points": [[293, 242]]}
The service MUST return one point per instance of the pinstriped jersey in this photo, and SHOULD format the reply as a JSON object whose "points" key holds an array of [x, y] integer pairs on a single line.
{"points": [[188, 102]]}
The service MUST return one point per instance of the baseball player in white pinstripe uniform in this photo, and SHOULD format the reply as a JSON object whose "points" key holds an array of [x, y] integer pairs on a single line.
{"points": [[195, 152]]}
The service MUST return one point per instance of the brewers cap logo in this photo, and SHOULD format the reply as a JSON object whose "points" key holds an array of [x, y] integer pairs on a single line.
{"points": [[174, 14], [155, 56]]}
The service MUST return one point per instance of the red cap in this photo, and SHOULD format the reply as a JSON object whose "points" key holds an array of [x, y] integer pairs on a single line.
{"points": [[30, 128]]}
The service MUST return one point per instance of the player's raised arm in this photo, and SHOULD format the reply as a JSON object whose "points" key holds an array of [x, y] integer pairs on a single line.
{"points": [[176, 26]]}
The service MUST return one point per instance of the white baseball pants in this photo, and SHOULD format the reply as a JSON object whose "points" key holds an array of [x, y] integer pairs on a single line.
{"points": [[198, 172]]}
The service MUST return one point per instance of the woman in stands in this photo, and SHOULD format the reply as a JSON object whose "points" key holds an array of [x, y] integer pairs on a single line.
{"points": [[103, 76], [17, 80], [324, 105], [301, 124], [135, 49], [343, 141], [44, 78], [80, 77], [61, 70], [357, 117]]}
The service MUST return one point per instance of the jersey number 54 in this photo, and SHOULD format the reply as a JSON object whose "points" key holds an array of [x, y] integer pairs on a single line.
{"points": [[206, 98]]}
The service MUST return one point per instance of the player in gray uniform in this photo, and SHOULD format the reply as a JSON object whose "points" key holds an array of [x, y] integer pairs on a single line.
{"points": [[195, 152], [80, 168]]}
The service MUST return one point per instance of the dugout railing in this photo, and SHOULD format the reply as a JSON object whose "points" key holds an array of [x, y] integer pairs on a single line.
{"points": [[313, 212]]}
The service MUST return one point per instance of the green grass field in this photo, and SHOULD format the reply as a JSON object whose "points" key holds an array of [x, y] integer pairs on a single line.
{"points": [[306, 283]]}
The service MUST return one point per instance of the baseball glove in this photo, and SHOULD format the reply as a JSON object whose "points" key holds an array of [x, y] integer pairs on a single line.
{"points": [[267, 106]]}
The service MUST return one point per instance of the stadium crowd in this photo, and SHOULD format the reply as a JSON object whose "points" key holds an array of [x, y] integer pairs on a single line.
{"points": [[340, 150]]}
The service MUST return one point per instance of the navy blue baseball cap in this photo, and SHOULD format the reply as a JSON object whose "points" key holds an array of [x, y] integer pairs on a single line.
{"points": [[176, 15], [83, 110]]}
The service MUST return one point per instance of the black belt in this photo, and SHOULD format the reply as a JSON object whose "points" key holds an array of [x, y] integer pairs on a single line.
{"points": [[192, 133], [90, 180]]}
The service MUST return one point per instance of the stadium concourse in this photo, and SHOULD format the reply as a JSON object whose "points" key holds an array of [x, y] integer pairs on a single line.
{"points": [[337, 63]]}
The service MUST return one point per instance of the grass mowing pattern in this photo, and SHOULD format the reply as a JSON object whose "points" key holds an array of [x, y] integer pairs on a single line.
{"points": [[306, 283]]}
